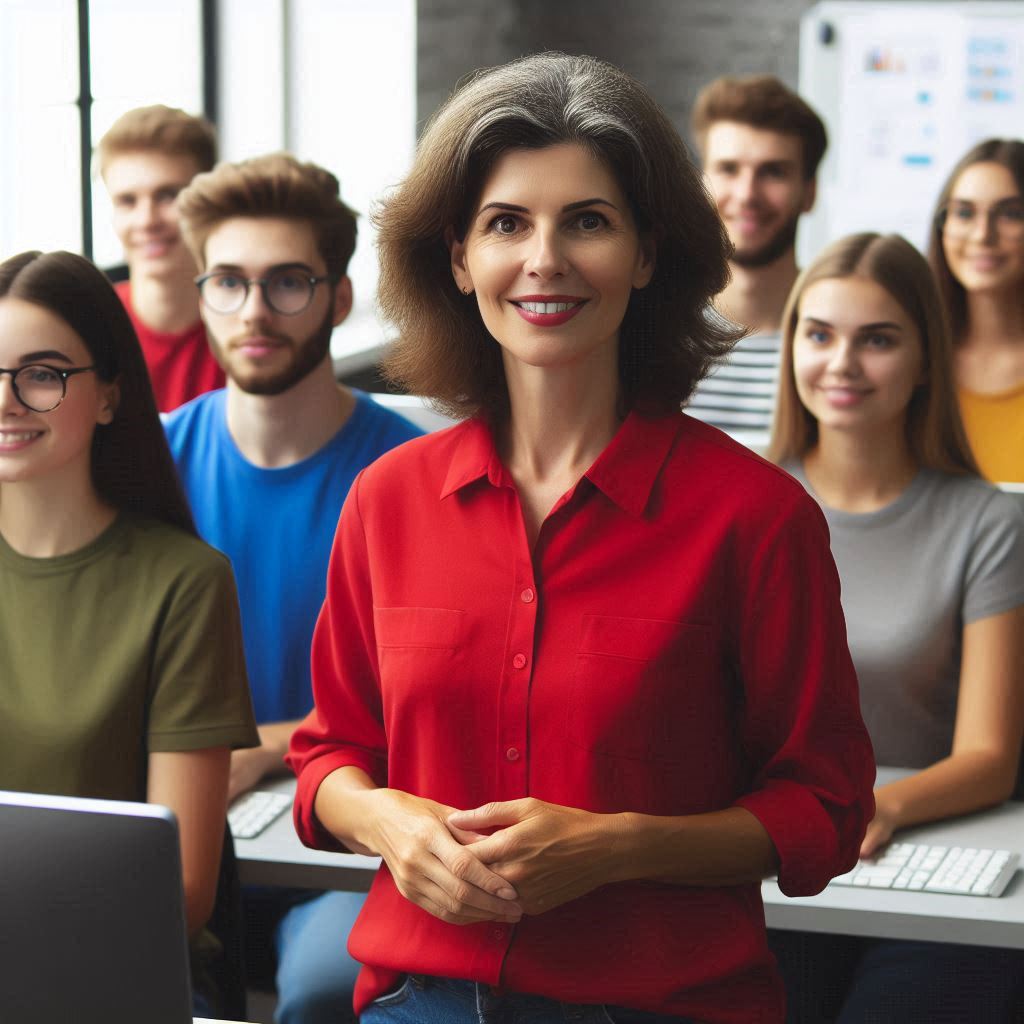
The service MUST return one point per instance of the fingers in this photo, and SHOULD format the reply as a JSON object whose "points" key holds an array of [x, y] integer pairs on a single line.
{"points": [[490, 815], [874, 839]]}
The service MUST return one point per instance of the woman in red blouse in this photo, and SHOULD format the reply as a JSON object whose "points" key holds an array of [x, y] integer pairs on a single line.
{"points": [[581, 675]]}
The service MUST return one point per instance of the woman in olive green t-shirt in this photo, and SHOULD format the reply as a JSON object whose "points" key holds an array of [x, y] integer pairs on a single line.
{"points": [[121, 664]]}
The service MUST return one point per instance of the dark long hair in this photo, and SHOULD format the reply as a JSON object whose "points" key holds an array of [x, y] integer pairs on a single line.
{"points": [[132, 467]]}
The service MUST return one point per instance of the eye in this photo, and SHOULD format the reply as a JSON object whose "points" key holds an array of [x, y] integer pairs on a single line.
{"points": [[1011, 214], [591, 221], [228, 282], [817, 335], [288, 281], [168, 195], [39, 375], [878, 341], [506, 224], [960, 211]]}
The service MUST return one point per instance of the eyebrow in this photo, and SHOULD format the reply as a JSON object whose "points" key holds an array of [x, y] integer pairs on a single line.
{"points": [[1005, 200], [50, 353], [235, 268], [880, 325], [568, 208]]}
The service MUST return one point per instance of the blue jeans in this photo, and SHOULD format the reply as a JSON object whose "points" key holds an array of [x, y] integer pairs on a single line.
{"points": [[426, 1000], [315, 975]]}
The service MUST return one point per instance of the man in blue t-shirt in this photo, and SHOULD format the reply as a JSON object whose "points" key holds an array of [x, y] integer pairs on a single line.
{"points": [[266, 463]]}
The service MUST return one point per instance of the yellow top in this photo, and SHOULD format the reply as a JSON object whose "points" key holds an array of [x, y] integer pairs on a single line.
{"points": [[995, 428]]}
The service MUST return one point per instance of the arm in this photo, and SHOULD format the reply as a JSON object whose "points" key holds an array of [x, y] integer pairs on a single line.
{"points": [[194, 784], [249, 766], [982, 767]]}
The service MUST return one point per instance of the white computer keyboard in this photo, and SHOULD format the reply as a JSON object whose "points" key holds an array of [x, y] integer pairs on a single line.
{"points": [[962, 870], [252, 812]]}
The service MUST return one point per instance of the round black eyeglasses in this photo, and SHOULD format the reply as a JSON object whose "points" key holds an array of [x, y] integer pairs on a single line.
{"points": [[286, 291], [42, 388]]}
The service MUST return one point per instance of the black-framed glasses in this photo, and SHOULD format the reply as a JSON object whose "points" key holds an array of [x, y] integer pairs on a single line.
{"points": [[959, 219], [287, 291], [40, 387]]}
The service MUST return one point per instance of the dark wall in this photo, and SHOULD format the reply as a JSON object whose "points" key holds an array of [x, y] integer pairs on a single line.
{"points": [[673, 46]]}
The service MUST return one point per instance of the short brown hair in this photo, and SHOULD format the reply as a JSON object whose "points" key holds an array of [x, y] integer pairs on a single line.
{"points": [[761, 101], [1008, 153], [159, 129], [276, 185], [669, 336], [935, 432]]}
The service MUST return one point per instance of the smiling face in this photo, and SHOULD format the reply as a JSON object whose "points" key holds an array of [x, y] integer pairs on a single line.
{"points": [[756, 178], [983, 237], [553, 255], [857, 356], [143, 189], [37, 445], [262, 351]]}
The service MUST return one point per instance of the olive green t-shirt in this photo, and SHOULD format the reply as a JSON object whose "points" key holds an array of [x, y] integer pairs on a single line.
{"points": [[129, 645]]}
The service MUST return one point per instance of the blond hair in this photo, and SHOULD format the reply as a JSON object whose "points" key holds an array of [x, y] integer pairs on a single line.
{"points": [[159, 129]]}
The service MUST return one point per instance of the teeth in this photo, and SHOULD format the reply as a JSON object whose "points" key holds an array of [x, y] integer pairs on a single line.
{"points": [[9, 436], [547, 307]]}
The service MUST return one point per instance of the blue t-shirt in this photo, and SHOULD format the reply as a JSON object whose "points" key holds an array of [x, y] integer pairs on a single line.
{"points": [[276, 526]]}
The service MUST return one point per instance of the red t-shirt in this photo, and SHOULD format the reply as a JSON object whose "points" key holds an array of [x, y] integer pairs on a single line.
{"points": [[181, 366], [674, 644]]}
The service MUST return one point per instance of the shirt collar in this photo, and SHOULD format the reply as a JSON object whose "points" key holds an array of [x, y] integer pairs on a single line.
{"points": [[624, 472]]}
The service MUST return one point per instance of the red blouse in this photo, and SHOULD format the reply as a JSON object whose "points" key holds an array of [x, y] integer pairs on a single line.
{"points": [[674, 644]]}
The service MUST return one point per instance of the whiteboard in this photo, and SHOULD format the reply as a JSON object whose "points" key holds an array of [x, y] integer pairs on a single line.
{"points": [[905, 89]]}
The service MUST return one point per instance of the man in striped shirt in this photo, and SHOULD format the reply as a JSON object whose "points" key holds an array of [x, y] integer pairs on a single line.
{"points": [[761, 145]]}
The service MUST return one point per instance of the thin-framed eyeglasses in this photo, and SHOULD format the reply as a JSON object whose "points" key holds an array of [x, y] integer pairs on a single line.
{"points": [[959, 219], [40, 387], [287, 290]]}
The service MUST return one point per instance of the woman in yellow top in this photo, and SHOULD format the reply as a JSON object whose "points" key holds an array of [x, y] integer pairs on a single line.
{"points": [[977, 253]]}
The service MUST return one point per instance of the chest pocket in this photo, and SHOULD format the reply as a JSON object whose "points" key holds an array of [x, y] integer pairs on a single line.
{"points": [[640, 687]]}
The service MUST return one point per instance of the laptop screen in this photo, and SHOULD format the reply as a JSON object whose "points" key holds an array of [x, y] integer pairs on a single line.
{"points": [[92, 922]]}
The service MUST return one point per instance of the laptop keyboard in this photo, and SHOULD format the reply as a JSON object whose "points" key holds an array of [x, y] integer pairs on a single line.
{"points": [[252, 812], [960, 870]]}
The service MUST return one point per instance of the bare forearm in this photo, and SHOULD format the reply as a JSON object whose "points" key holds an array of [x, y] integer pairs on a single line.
{"points": [[274, 740], [341, 805], [728, 847], [960, 783]]}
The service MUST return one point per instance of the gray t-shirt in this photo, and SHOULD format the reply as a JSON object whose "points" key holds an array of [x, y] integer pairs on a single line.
{"points": [[948, 551]]}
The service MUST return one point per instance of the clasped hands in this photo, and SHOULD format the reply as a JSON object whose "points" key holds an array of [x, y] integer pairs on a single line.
{"points": [[495, 862]]}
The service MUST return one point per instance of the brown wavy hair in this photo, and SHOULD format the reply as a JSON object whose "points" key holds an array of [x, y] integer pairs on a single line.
{"points": [[132, 468], [1009, 153], [275, 185], [935, 432], [670, 335], [764, 102]]}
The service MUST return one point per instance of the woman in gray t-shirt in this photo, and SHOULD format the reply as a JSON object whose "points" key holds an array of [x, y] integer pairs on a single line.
{"points": [[931, 561]]}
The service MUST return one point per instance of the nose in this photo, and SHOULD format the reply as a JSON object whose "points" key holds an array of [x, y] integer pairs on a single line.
{"points": [[546, 257], [745, 185], [255, 307], [983, 226], [843, 358], [8, 399]]}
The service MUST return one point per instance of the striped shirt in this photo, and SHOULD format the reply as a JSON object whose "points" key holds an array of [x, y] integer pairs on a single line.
{"points": [[738, 396]]}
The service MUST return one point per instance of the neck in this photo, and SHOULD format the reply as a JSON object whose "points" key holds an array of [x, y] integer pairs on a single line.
{"points": [[273, 431], [860, 472], [561, 419], [756, 296], [993, 319], [166, 304], [34, 519]]}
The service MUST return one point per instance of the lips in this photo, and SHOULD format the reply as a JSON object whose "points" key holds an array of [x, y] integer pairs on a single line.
{"points": [[844, 397], [14, 440], [548, 310]]}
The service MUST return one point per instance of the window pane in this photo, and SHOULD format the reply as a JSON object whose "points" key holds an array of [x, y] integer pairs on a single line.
{"points": [[40, 198], [141, 54]]}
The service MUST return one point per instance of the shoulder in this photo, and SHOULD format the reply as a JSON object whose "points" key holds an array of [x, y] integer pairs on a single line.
{"points": [[967, 499], [169, 554], [198, 414]]}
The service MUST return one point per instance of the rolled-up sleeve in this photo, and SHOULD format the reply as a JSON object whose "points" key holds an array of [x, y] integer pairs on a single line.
{"points": [[801, 722]]}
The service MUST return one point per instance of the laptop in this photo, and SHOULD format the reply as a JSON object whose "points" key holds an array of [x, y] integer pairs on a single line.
{"points": [[92, 913]]}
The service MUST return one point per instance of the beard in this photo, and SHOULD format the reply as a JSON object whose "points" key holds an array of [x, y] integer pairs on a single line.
{"points": [[778, 245], [309, 354]]}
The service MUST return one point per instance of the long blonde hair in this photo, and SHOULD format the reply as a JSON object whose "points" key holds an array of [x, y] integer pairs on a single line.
{"points": [[935, 432]]}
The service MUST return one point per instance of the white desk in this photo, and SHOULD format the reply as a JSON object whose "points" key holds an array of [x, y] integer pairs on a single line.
{"points": [[278, 858]]}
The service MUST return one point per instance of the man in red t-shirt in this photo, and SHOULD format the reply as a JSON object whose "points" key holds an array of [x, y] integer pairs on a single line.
{"points": [[146, 158]]}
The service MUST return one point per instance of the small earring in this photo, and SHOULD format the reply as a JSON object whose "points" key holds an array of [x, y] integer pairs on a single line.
{"points": [[465, 290]]}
